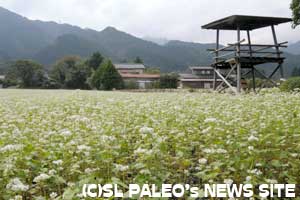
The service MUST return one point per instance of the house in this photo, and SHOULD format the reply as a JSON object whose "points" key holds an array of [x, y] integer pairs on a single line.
{"points": [[130, 68], [135, 74], [198, 77], [142, 80]]}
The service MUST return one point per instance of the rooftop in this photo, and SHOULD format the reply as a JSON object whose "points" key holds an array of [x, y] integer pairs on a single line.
{"points": [[245, 22], [129, 66]]}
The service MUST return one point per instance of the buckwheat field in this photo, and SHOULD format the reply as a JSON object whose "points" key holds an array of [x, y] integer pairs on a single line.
{"points": [[53, 142]]}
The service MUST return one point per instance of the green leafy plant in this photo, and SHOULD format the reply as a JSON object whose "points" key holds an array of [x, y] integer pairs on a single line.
{"points": [[295, 7], [291, 84]]}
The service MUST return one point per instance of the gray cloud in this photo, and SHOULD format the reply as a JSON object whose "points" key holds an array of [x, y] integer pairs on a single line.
{"points": [[173, 19]]}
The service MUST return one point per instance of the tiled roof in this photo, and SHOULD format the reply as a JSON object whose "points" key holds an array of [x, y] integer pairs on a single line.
{"points": [[129, 66]]}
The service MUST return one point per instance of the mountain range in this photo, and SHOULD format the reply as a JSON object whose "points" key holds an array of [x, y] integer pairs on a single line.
{"points": [[46, 42], [294, 48]]}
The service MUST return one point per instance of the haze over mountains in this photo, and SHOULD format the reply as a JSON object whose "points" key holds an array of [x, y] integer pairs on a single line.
{"points": [[47, 42], [294, 48]]}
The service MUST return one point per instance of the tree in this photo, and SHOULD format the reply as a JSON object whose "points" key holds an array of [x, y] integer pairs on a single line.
{"points": [[71, 73], [138, 60], [296, 72], [295, 7], [168, 81], [77, 77], [95, 60], [106, 77], [26, 74]]}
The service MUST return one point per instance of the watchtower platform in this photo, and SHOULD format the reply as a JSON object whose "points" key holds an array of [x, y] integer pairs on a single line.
{"points": [[237, 60]]}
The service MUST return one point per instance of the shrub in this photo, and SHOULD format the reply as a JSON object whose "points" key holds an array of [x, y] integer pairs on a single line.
{"points": [[169, 81], [259, 83], [51, 84], [290, 84]]}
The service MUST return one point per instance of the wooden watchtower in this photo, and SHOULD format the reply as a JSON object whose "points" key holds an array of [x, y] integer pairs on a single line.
{"points": [[239, 59]]}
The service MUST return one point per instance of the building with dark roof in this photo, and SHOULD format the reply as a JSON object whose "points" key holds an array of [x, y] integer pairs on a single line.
{"points": [[135, 76], [127, 68], [198, 77]]}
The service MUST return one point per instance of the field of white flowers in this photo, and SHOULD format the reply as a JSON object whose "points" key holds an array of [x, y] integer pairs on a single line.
{"points": [[53, 142]]}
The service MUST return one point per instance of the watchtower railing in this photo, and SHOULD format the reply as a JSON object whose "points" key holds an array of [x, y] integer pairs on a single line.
{"points": [[248, 50]]}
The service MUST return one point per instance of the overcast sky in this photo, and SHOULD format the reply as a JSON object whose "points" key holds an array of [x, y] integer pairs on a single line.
{"points": [[172, 19]]}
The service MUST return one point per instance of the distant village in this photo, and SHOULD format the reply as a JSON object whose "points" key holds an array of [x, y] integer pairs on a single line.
{"points": [[135, 76], [196, 76], [98, 72]]}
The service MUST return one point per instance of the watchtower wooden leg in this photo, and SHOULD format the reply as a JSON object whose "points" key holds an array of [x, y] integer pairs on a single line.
{"points": [[225, 81], [239, 78], [215, 80], [227, 76], [253, 80], [281, 71], [274, 72]]}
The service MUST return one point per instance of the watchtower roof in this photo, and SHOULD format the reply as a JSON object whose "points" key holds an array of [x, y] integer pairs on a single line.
{"points": [[245, 22]]}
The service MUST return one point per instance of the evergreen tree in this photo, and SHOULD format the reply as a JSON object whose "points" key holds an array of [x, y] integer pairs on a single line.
{"points": [[138, 60], [106, 77], [95, 60], [295, 7]]}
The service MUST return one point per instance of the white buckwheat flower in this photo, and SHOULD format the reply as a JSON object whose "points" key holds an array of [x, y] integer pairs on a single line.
{"points": [[53, 195], [252, 138], [202, 161], [121, 168], [146, 130], [248, 178], [83, 148], [41, 178], [58, 162], [228, 181], [294, 155], [11, 147], [209, 120], [271, 181], [66, 132], [16, 185], [18, 197]]}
